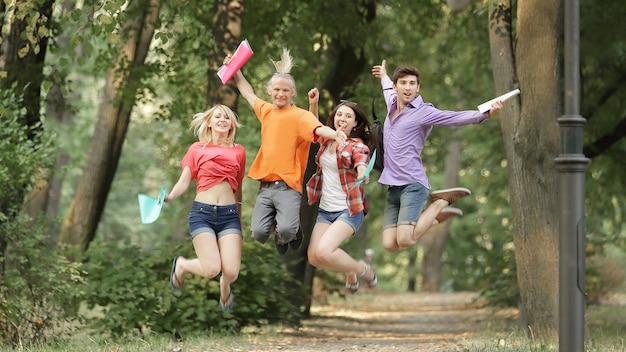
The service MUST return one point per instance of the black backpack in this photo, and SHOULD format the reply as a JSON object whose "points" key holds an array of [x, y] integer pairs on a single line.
{"points": [[377, 130]]}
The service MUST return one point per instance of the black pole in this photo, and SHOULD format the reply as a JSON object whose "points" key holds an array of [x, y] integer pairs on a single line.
{"points": [[571, 165]]}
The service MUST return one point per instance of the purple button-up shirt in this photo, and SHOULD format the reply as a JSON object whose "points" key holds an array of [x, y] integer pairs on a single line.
{"points": [[406, 133]]}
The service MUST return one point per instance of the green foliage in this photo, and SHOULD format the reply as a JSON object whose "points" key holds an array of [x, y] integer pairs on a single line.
{"points": [[37, 289], [36, 285], [23, 159], [128, 291]]}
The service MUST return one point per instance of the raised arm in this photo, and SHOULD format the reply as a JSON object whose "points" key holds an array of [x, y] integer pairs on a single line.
{"points": [[314, 98], [242, 84], [379, 71]]}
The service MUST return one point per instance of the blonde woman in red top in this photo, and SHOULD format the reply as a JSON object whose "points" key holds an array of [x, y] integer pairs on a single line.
{"points": [[217, 164]]}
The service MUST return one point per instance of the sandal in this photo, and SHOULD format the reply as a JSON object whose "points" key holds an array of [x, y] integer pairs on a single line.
{"points": [[174, 278], [352, 288], [373, 282], [227, 308]]}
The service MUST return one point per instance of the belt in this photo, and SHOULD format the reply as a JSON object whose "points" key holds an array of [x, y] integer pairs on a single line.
{"points": [[272, 182]]}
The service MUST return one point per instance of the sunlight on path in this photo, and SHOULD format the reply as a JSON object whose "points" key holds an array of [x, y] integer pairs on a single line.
{"points": [[373, 321]]}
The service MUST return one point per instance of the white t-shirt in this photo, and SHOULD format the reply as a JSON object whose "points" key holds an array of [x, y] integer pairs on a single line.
{"points": [[333, 197]]}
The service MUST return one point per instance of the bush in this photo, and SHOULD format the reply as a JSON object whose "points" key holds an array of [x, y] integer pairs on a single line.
{"points": [[37, 290], [130, 288]]}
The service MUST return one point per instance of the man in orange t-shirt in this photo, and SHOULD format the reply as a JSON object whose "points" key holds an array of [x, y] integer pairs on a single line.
{"points": [[286, 134]]}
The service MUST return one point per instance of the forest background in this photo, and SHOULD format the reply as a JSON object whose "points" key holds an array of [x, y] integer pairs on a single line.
{"points": [[96, 100]]}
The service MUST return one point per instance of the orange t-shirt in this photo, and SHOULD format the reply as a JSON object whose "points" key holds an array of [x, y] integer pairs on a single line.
{"points": [[286, 136]]}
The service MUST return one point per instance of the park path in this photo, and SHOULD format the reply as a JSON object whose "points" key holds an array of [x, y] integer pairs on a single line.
{"points": [[376, 321]]}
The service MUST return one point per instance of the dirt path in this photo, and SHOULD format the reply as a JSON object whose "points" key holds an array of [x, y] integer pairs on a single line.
{"points": [[374, 321]]}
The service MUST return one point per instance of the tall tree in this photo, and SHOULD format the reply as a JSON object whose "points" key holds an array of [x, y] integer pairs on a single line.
{"points": [[531, 139], [435, 239], [23, 50], [119, 95], [226, 28]]}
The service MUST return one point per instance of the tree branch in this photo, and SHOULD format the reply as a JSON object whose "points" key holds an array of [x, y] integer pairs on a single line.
{"points": [[605, 142]]}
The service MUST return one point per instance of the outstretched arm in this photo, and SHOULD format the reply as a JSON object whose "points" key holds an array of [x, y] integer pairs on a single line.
{"points": [[242, 84], [181, 186], [495, 107], [329, 133]]}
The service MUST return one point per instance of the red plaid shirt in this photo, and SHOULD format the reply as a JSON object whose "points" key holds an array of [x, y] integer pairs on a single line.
{"points": [[350, 155]]}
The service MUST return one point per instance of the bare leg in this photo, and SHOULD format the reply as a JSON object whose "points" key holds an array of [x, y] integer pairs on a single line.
{"points": [[324, 252], [427, 219], [230, 254], [207, 264], [390, 239]]}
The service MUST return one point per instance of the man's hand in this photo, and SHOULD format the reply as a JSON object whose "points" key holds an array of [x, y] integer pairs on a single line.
{"points": [[495, 107], [379, 71]]}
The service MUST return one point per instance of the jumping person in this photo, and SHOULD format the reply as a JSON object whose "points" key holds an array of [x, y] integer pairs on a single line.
{"points": [[342, 202], [287, 132], [408, 123], [217, 164]]}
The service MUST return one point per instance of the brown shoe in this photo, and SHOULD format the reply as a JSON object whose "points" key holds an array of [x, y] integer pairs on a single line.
{"points": [[451, 195], [448, 212]]}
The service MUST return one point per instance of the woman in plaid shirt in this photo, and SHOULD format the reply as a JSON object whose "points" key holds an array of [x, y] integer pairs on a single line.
{"points": [[342, 202]]}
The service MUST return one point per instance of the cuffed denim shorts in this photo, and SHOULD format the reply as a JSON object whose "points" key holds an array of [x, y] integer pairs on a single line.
{"points": [[219, 220], [328, 217], [404, 204]]}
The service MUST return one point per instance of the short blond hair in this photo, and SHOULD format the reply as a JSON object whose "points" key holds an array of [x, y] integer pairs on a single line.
{"points": [[283, 70]]}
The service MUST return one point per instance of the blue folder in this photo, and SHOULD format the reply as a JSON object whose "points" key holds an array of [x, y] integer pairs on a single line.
{"points": [[369, 169], [150, 208]]}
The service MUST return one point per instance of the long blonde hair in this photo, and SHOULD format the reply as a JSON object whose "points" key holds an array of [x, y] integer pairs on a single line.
{"points": [[283, 69], [200, 123]]}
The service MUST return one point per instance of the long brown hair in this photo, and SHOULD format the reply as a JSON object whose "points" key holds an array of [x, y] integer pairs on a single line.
{"points": [[361, 130]]}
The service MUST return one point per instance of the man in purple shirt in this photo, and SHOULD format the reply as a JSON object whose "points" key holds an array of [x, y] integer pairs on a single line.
{"points": [[407, 125]]}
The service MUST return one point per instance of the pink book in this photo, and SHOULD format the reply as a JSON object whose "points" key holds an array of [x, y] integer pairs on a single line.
{"points": [[240, 57]]}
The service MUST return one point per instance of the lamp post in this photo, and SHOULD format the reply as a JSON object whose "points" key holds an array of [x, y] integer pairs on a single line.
{"points": [[571, 165]]}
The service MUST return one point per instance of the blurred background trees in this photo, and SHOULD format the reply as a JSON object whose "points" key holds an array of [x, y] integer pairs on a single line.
{"points": [[96, 99]]}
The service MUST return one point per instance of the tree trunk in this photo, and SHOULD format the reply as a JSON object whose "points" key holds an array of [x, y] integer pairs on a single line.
{"points": [[46, 199], [434, 241], [23, 62], [123, 80], [531, 139], [226, 28]]}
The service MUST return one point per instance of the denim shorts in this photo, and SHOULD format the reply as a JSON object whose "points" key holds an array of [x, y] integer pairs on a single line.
{"points": [[404, 205], [328, 217], [219, 220]]}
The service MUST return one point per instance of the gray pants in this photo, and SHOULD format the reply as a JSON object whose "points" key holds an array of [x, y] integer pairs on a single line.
{"points": [[276, 203]]}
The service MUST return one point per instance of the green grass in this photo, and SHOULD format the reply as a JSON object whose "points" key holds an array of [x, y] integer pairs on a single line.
{"points": [[199, 343], [606, 326]]}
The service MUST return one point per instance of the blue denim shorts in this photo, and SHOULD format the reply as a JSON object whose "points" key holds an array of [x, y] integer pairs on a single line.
{"points": [[219, 220], [328, 217], [404, 205]]}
